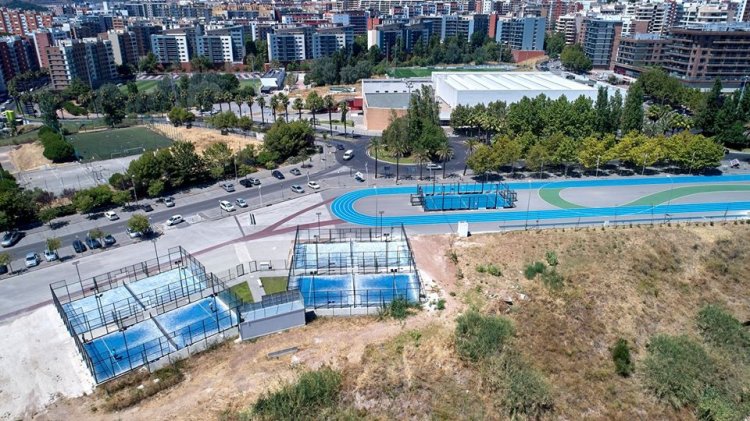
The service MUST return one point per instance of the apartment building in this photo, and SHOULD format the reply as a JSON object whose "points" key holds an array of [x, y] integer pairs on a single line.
{"points": [[387, 36], [17, 55], [639, 51], [142, 34], [89, 60], [289, 44], [570, 26], [20, 22], [525, 34], [600, 39], [171, 48], [700, 13], [328, 40], [217, 48], [124, 47]]}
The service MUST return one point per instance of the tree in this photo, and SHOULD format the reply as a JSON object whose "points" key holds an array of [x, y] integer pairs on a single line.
{"points": [[245, 123], [139, 223], [53, 244], [471, 146], [482, 160], [110, 101], [250, 100], [121, 197], [706, 115], [262, 105], [632, 113], [284, 140], [218, 157], [46, 215], [284, 102], [603, 119], [537, 156], [201, 63], [445, 152], [48, 106], [298, 105], [344, 108], [274, 106], [615, 111], [155, 188], [506, 151], [179, 115], [591, 152], [421, 155], [329, 104], [314, 102], [148, 63], [395, 138], [554, 44], [574, 59], [225, 120], [5, 260]]}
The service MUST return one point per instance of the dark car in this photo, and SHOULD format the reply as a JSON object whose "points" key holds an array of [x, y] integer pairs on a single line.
{"points": [[246, 183], [295, 171], [109, 240], [78, 246], [340, 147], [277, 174], [147, 208], [11, 238], [93, 243]]}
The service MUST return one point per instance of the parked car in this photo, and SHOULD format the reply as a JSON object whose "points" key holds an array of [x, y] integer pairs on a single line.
{"points": [[109, 240], [147, 207], [78, 246], [169, 202], [277, 174], [228, 187], [132, 233], [32, 259], [11, 238], [359, 176], [111, 215], [306, 164], [174, 220], [340, 147], [3, 269], [313, 185], [241, 203], [249, 182], [348, 155], [356, 136], [93, 243], [433, 166], [297, 188], [50, 255], [226, 206], [295, 171]]}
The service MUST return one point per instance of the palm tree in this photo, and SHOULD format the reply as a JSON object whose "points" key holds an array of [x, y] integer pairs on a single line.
{"points": [[375, 144], [420, 154], [284, 100], [239, 99], [328, 103], [298, 105], [274, 106], [399, 149], [471, 146], [344, 108], [228, 97], [444, 152], [250, 101], [313, 103], [262, 105]]}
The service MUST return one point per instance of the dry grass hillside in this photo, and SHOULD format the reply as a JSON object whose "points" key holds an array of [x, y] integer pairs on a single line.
{"points": [[533, 348]]}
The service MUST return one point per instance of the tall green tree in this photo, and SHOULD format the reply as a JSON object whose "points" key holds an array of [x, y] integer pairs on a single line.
{"points": [[632, 113], [615, 111], [48, 106], [554, 43], [602, 117], [574, 59], [706, 115], [110, 102]]}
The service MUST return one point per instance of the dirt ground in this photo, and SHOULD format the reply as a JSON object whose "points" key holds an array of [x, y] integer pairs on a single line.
{"points": [[203, 138], [630, 282], [325, 90], [29, 156]]}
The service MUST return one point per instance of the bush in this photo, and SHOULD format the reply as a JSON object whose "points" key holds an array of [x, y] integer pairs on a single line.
{"points": [[523, 391], [551, 257], [313, 393], [74, 109], [494, 270], [127, 397], [552, 279], [481, 268], [533, 269], [479, 336], [399, 309], [453, 257], [721, 329], [621, 358], [440, 304], [57, 150]]}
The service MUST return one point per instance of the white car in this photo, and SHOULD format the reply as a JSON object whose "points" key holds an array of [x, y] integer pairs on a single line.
{"points": [[174, 220], [169, 202], [32, 259], [348, 155], [111, 215], [133, 234], [434, 166], [226, 206], [313, 185], [359, 176], [241, 203], [50, 255]]}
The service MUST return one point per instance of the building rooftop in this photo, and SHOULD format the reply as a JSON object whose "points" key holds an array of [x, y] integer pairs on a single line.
{"points": [[508, 81], [391, 93]]}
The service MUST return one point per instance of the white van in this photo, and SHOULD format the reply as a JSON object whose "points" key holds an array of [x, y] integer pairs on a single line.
{"points": [[348, 155]]}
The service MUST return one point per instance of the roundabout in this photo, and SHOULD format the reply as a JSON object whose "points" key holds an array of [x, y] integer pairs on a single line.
{"points": [[566, 201]]}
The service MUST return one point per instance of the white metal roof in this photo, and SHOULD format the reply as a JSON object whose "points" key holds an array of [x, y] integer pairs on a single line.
{"points": [[508, 81]]}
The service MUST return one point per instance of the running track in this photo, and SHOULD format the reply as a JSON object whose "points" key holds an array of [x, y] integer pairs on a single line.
{"points": [[343, 206]]}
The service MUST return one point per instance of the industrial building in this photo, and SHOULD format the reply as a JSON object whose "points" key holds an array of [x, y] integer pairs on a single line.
{"points": [[383, 98]]}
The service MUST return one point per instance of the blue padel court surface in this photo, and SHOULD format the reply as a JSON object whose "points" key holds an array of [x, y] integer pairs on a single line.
{"points": [[343, 207], [198, 320], [360, 290], [464, 201], [353, 253], [120, 352], [167, 286]]}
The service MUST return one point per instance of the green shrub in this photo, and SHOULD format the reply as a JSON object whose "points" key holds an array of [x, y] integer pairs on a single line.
{"points": [[453, 257], [399, 309], [621, 358], [481, 269], [314, 392], [533, 269], [721, 329], [677, 369], [441, 304], [552, 279], [479, 336], [521, 390], [494, 270], [551, 258], [124, 395]]}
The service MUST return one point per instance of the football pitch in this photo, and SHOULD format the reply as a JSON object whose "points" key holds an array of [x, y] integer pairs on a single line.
{"points": [[404, 72], [106, 144]]}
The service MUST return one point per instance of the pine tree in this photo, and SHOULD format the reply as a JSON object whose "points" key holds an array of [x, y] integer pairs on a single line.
{"points": [[602, 116], [615, 111], [706, 115], [632, 113]]}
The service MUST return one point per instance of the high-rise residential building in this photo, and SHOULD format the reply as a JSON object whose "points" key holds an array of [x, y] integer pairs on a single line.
{"points": [[639, 51], [217, 48], [17, 55], [525, 34], [90, 60], [600, 39], [21, 22], [387, 36], [142, 33], [660, 16], [328, 40], [124, 48], [570, 26], [171, 48], [236, 36], [743, 14], [289, 44], [700, 13]]}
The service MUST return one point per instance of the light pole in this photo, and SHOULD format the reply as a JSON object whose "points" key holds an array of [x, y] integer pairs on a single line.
{"points": [[645, 157], [79, 273], [153, 241], [318, 215], [381, 222], [597, 166], [528, 205], [260, 195], [669, 199]]}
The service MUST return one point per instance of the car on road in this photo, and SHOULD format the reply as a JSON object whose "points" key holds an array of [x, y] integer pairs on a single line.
{"points": [[226, 206], [228, 187], [93, 243], [295, 171], [78, 246], [241, 203], [297, 188], [111, 215], [340, 147], [169, 202], [32, 259], [11, 238], [359, 176], [132, 233], [250, 181], [147, 207], [348, 155], [50, 255], [434, 166], [174, 220], [277, 174], [313, 185], [109, 240]]}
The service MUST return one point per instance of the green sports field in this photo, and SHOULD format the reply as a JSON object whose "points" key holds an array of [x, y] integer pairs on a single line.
{"points": [[401, 72], [115, 143], [145, 86]]}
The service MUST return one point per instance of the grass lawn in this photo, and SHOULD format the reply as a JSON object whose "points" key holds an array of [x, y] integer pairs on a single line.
{"points": [[255, 83], [385, 156], [120, 142], [427, 71], [243, 291], [274, 284], [143, 86]]}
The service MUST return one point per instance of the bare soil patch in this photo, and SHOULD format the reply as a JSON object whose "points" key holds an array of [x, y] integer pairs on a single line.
{"points": [[203, 138], [29, 156]]}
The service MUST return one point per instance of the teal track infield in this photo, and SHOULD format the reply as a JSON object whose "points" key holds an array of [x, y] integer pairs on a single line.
{"points": [[343, 206]]}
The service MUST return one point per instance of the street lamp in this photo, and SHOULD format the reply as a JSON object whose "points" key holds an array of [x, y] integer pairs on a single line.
{"points": [[528, 205], [79, 273], [318, 215], [381, 222], [153, 241]]}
